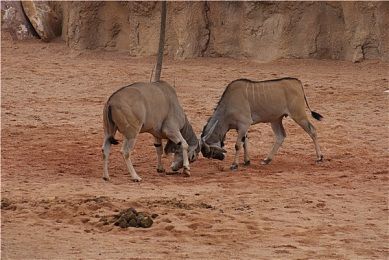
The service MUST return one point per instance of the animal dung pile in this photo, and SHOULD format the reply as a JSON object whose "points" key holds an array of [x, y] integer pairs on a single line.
{"points": [[131, 218]]}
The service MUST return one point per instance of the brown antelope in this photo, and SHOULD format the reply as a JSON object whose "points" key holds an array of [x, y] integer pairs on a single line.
{"points": [[245, 103]]}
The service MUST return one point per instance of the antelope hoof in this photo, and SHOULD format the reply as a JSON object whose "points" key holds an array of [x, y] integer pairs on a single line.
{"points": [[320, 160], [234, 166], [160, 170], [186, 172], [247, 163], [106, 178], [137, 180], [266, 161]]}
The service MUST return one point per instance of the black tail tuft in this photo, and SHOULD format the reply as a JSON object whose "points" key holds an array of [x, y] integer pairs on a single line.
{"points": [[317, 116], [112, 140]]}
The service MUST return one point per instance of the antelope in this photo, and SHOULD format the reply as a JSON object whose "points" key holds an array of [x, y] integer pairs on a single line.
{"points": [[153, 108], [245, 103]]}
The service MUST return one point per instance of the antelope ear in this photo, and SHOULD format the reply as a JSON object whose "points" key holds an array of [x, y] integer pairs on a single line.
{"points": [[217, 148]]}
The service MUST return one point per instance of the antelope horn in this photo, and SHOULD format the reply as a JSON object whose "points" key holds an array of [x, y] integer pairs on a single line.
{"points": [[202, 143], [218, 148], [207, 136]]}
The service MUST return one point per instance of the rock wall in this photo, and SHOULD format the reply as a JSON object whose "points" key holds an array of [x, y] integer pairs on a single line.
{"points": [[15, 22], [257, 30], [45, 19]]}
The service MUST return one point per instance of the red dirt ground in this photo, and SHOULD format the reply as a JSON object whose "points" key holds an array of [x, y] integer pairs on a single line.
{"points": [[55, 204]]}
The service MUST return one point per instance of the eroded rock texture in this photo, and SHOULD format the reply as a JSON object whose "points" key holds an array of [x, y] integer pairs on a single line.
{"points": [[257, 30]]}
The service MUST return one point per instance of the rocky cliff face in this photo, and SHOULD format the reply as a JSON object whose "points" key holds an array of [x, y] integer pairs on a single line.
{"points": [[266, 31], [257, 30], [15, 22]]}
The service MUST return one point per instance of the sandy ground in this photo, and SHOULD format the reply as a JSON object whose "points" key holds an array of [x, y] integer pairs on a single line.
{"points": [[55, 204]]}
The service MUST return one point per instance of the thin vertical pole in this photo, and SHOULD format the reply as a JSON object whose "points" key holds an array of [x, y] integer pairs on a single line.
{"points": [[161, 42]]}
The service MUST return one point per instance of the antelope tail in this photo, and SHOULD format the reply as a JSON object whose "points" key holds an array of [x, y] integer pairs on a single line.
{"points": [[314, 114], [109, 125]]}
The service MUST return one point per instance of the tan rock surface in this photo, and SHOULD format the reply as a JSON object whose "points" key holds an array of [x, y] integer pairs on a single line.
{"points": [[258, 30], [44, 18]]}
